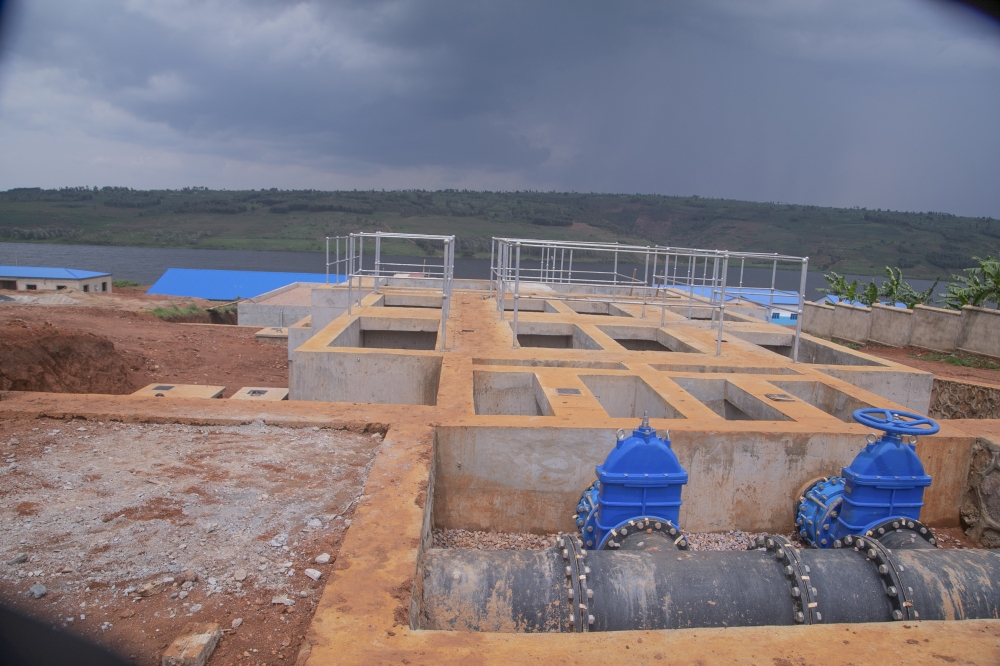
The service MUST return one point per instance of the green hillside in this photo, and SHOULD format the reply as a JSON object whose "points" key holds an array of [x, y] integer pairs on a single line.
{"points": [[847, 240]]}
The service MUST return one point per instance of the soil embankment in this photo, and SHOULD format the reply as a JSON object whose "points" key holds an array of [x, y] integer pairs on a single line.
{"points": [[167, 352], [46, 358]]}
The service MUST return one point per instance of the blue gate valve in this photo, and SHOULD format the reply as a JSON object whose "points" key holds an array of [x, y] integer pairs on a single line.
{"points": [[638, 488], [883, 485]]}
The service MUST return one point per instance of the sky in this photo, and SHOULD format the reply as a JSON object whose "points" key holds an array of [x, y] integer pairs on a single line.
{"points": [[891, 104]]}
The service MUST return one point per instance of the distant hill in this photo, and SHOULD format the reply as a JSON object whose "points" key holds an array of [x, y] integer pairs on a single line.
{"points": [[846, 240]]}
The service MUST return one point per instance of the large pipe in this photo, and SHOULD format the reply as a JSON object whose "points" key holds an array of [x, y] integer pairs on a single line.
{"points": [[567, 589]]}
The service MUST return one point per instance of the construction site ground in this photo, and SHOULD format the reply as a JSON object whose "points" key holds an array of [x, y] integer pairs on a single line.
{"points": [[933, 362], [113, 519]]}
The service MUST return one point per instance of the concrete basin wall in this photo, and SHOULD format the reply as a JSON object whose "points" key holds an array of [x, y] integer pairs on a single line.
{"points": [[624, 396], [830, 400], [369, 377], [521, 479], [909, 389], [509, 393]]}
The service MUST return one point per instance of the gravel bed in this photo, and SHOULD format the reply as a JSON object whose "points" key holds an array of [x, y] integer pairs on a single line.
{"points": [[732, 540], [492, 540]]}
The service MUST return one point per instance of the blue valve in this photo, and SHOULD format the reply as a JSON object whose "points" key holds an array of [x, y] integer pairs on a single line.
{"points": [[885, 482], [640, 480]]}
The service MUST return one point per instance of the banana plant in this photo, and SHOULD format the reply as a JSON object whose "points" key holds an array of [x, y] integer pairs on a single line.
{"points": [[979, 286]]}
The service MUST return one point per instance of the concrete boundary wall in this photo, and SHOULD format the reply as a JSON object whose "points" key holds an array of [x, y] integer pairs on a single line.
{"points": [[975, 330], [852, 323], [935, 328], [891, 326], [817, 319], [980, 331]]}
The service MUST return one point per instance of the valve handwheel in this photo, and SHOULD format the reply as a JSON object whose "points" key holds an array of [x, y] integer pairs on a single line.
{"points": [[896, 423]]}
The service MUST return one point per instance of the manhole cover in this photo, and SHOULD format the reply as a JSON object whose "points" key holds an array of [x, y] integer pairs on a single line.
{"points": [[568, 391], [162, 388]]}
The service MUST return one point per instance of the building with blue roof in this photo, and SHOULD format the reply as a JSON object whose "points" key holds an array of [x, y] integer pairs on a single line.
{"points": [[47, 278]]}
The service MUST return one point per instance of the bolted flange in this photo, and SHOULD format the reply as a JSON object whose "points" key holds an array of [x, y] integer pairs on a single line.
{"points": [[646, 533], [881, 557], [805, 597]]}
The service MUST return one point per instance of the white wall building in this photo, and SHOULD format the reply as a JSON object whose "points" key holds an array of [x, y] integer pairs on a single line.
{"points": [[42, 278]]}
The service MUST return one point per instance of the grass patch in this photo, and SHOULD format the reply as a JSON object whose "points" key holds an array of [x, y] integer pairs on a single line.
{"points": [[174, 311], [125, 283], [962, 361]]}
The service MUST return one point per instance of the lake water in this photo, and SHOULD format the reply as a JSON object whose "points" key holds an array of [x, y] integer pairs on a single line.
{"points": [[145, 264]]}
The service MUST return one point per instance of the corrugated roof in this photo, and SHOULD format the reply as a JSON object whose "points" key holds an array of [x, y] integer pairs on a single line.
{"points": [[228, 285], [47, 273]]}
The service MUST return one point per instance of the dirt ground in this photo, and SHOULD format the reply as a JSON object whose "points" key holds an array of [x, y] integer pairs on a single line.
{"points": [[135, 530], [153, 350], [917, 358]]}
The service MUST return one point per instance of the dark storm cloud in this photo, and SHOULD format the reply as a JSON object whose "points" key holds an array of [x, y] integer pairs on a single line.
{"points": [[875, 104]]}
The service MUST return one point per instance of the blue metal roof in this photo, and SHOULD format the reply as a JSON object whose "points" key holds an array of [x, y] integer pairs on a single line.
{"points": [[47, 273], [216, 285]]}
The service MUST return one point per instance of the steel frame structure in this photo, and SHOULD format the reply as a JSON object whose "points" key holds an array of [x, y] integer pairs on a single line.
{"points": [[678, 272], [353, 267]]}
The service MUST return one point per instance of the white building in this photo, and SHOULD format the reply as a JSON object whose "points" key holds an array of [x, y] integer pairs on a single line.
{"points": [[39, 278]]}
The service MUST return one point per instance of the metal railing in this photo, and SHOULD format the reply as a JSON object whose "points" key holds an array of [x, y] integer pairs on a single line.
{"points": [[352, 262], [700, 275], [339, 262]]}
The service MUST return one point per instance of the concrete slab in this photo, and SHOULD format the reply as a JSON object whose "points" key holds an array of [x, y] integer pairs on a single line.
{"points": [[180, 391], [260, 394], [275, 335]]}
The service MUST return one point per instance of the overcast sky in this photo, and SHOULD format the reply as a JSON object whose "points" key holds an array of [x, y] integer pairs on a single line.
{"points": [[888, 104]]}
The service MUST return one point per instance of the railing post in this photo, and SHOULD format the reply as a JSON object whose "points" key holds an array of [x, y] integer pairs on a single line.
{"points": [[517, 288], [801, 308], [493, 242], [378, 258], [350, 271], [502, 285], [445, 296], [770, 297], [691, 279], [328, 260], [722, 304]]}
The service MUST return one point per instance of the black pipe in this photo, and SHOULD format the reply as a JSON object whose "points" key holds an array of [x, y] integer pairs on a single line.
{"points": [[565, 589]]}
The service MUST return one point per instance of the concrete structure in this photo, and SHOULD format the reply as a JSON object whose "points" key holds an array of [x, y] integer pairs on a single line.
{"points": [[164, 390], [891, 326], [260, 394], [281, 307], [274, 335], [979, 332], [42, 278]]}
